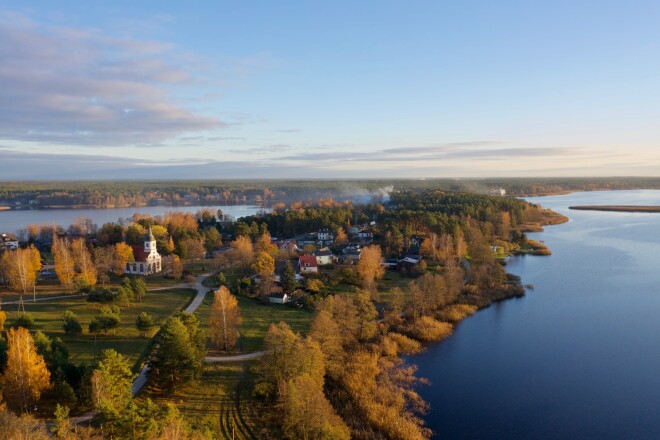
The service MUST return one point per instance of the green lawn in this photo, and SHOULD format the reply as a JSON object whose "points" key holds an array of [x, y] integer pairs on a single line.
{"points": [[125, 340], [51, 287], [257, 317]]}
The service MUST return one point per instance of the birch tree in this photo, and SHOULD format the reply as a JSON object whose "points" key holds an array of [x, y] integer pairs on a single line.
{"points": [[86, 272], [26, 376], [225, 319], [64, 264]]}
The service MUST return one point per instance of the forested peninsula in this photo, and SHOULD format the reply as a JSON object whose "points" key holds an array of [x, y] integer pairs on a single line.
{"points": [[324, 298]]}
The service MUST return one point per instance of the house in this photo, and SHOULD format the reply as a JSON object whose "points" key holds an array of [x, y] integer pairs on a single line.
{"points": [[325, 235], [408, 263], [8, 242], [324, 256], [366, 235], [307, 264], [279, 269], [288, 246], [147, 259]]}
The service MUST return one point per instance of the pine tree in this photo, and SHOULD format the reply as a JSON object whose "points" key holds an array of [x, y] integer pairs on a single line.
{"points": [[289, 278]]}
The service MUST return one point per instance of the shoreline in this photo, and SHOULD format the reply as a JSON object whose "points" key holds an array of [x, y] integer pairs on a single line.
{"points": [[617, 208]]}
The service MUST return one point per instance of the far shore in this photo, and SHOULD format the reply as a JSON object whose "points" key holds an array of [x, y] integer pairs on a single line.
{"points": [[617, 208]]}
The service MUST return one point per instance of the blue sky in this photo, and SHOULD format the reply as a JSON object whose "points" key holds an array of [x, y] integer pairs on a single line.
{"points": [[203, 89]]}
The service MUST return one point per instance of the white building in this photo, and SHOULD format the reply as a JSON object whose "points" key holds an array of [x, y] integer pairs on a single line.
{"points": [[147, 259], [8, 242], [325, 235]]}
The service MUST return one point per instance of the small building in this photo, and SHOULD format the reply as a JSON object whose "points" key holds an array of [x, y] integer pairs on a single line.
{"points": [[279, 298], [307, 264], [408, 263], [8, 242], [147, 259], [324, 256], [288, 246], [325, 235]]}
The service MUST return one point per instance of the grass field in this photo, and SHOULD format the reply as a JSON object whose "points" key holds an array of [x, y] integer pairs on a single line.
{"points": [[220, 401], [257, 317], [51, 287], [126, 339]]}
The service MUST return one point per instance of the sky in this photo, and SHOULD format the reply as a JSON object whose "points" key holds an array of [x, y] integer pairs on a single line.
{"points": [[341, 89]]}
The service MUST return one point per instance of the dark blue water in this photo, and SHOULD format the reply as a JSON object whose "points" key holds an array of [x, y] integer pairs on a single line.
{"points": [[12, 221], [579, 356]]}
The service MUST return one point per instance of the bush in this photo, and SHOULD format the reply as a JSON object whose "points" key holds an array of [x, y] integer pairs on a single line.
{"points": [[427, 329], [101, 295], [456, 312], [26, 320], [71, 324], [404, 344]]}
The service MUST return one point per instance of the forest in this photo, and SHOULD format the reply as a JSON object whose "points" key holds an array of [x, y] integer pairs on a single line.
{"points": [[114, 194]]}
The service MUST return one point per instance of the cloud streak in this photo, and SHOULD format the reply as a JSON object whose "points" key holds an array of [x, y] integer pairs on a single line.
{"points": [[81, 87]]}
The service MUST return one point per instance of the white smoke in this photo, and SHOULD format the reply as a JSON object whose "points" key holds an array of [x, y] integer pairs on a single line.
{"points": [[384, 193]]}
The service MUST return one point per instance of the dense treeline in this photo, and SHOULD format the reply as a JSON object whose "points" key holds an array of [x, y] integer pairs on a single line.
{"points": [[180, 192]]}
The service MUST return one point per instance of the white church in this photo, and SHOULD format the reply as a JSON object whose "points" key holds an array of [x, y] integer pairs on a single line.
{"points": [[147, 259]]}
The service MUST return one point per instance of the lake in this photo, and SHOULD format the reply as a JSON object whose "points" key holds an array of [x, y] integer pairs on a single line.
{"points": [[579, 356], [12, 221]]}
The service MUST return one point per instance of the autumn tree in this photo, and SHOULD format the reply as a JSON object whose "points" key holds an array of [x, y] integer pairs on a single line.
{"points": [[308, 413], [224, 320], [265, 244], [264, 266], [122, 254], [369, 267], [64, 263], [177, 267], [35, 261], [20, 270], [340, 237], [85, 270], [242, 251], [193, 249], [26, 375], [103, 263]]}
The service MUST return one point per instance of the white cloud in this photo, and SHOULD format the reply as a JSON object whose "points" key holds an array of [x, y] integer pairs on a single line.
{"points": [[82, 87]]}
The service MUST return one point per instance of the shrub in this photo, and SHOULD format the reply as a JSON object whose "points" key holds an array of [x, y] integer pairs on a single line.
{"points": [[456, 312], [71, 324], [101, 295], [26, 320], [427, 329], [404, 344]]}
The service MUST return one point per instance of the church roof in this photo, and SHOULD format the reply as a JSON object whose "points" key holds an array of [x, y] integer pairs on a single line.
{"points": [[139, 254]]}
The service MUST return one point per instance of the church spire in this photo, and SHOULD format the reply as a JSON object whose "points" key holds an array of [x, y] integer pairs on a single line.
{"points": [[150, 236]]}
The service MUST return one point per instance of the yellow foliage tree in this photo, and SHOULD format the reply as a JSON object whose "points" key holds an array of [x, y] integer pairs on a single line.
{"points": [[19, 266], [26, 375], [86, 271], [264, 266], [242, 250], [341, 237], [123, 254], [64, 264], [369, 267], [225, 319], [265, 244]]}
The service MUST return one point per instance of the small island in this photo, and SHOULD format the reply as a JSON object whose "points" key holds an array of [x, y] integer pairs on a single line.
{"points": [[617, 208]]}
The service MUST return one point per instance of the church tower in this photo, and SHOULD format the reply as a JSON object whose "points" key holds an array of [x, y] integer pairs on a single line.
{"points": [[149, 242]]}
